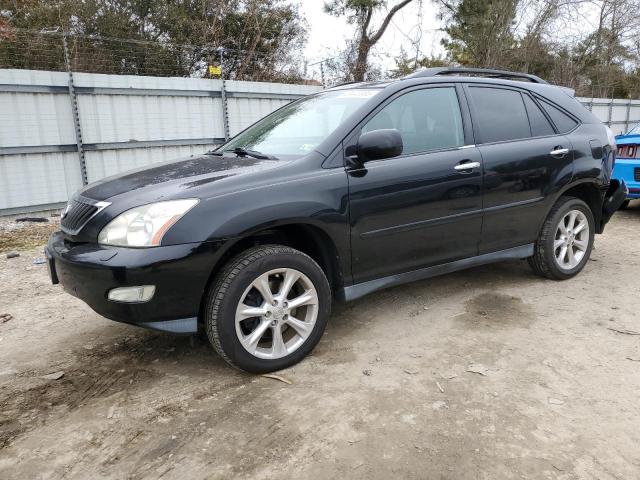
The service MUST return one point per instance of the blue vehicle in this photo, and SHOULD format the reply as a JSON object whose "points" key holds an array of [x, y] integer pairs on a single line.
{"points": [[627, 166]]}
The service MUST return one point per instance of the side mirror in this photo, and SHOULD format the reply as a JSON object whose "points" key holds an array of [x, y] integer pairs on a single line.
{"points": [[378, 144]]}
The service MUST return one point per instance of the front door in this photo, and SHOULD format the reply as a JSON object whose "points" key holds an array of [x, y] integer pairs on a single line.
{"points": [[424, 207]]}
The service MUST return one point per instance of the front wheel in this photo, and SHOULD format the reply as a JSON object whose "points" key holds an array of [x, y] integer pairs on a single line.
{"points": [[565, 242], [624, 205], [267, 309]]}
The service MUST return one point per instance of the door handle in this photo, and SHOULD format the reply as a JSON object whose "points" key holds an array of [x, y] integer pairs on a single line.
{"points": [[559, 152], [466, 166]]}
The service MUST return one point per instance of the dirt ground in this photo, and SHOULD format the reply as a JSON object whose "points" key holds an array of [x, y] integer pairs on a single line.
{"points": [[386, 394]]}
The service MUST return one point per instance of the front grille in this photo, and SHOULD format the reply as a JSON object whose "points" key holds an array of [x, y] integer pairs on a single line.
{"points": [[636, 174], [78, 212]]}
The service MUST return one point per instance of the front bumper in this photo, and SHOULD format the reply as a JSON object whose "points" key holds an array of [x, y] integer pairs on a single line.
{"points": [[179, 272]]}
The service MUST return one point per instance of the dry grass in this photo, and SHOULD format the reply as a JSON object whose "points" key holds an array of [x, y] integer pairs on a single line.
{"points": [[25, 236]]}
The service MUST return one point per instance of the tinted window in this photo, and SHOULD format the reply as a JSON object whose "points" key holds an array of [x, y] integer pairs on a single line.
{"points": [[501, 114], [427, 119], [540, 125], [563, 122]]}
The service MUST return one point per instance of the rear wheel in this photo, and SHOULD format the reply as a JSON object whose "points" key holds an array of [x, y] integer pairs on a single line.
{"points": [[565, 242], [625, 205], [267, 309]]}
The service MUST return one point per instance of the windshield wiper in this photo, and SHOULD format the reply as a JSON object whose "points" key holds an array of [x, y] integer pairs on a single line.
{"points": [[243, 152]]}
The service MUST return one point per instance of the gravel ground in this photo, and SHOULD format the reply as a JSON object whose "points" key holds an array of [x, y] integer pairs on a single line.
{"points": [[484, 374], [16, 235]]}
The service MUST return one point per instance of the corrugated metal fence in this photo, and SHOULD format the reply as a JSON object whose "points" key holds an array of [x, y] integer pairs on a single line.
{"points": [[123, 122], [59, 131], [619, 114]]}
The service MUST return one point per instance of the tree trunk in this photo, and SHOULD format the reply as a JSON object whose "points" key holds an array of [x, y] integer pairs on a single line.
{"points": [[360, 66], [368, 40]]}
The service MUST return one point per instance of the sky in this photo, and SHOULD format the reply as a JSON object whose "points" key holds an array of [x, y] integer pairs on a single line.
{"points": [[327, 34]]}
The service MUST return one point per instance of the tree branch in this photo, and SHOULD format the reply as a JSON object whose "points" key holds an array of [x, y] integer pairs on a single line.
{"points": [[376, 36], [365, 25]]}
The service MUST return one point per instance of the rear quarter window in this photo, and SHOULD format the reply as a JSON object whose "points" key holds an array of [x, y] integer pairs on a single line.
{"points": [[563, 122]]}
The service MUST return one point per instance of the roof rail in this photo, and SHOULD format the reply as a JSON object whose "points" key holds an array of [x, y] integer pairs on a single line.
{"points": [[479, 72]]}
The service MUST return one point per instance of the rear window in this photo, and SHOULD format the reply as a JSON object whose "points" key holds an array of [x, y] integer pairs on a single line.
{"points": [[563, 122], [540, 125], [501, 114]]}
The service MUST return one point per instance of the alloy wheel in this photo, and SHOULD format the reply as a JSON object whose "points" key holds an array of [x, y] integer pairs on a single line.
{"points": [[276, 313], [571, 240]]}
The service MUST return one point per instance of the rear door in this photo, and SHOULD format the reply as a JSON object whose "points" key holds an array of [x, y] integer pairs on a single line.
{"points": [[424, 207], [525, 161]]}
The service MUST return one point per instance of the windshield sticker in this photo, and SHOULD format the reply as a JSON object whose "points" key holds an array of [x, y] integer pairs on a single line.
{"points": [[358, 94]]}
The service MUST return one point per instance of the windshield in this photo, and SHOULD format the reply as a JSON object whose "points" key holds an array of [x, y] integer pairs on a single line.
{"points": [[635, 130], [295, 130]]}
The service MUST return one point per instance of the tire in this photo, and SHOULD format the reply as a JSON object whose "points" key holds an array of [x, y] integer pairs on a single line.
{"points": [[624, 205], [544, 261], [228, 326]]}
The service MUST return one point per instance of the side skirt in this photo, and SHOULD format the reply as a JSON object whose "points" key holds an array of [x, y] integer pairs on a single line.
{"points": [[361, 289]]}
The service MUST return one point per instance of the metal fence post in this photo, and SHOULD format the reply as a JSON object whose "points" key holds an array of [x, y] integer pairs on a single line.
{"points": [[75, 112], [223, 94], [627, 117], [610, 114]]}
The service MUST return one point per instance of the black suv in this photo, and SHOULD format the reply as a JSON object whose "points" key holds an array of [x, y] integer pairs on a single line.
{"points": [[337, 195]]}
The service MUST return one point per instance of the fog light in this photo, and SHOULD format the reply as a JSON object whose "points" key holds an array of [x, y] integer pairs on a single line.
{"points": [[143, 293]]}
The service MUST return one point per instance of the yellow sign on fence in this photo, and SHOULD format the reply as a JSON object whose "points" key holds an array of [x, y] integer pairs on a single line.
{"points": [[213, 70]]}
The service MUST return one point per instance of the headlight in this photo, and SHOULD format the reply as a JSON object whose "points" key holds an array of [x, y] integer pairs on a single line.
{"points": [[144, 226]]}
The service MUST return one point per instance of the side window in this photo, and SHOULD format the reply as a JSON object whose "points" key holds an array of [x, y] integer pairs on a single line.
{"points": [[427, 119], [563, 122], [501, 114], [540, 125]]}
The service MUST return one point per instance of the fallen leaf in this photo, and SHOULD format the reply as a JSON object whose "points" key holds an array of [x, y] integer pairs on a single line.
{"points": [[478, 368], [440, 387], [54, 375], [555, 401], [367, 372], [277, 377], [410, 372]]}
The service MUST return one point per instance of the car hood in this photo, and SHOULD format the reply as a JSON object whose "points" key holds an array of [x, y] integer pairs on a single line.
{"points": [[177, 178]]}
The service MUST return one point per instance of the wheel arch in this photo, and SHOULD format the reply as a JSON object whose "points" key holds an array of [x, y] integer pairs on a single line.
{"points": [[305, 236], [589, 192]]}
